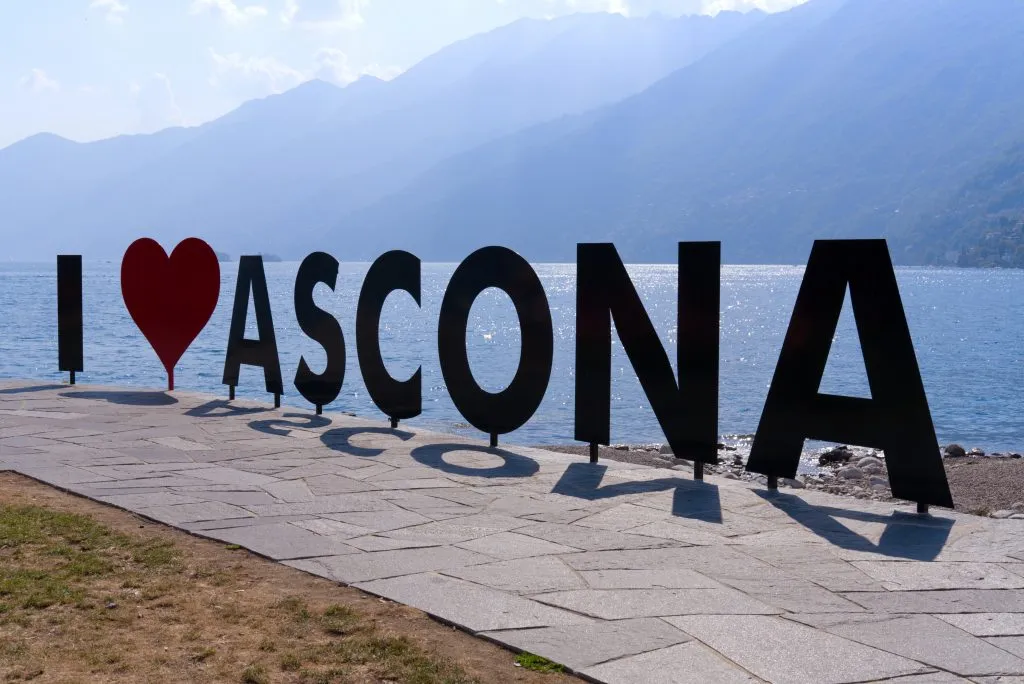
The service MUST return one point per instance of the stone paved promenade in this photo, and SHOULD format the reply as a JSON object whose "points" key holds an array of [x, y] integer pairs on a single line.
{"points": [[622, 573]]}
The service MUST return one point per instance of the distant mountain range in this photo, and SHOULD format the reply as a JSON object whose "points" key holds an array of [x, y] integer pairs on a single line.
{"points": [[839, 118], [302, 160], [982, 224]]}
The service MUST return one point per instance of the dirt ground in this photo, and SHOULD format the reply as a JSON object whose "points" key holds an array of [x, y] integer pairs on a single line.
{"points": [[90, 593], [984, 485]]}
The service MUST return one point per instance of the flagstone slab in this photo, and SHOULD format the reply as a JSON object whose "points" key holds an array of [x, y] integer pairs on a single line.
{"points": [[1013, 644], [617, 604], [236, 498], [333, 528], [158, 497], [372, 542], [687, 663], [477, 608], [232, 476], [281, 541], [62, 475], [988, 624], [796, 597], [460, 529], [252, 521], [509, 545], [589, 538], [195, 512], [364, 567], [659, 578], [522, 576], [786, 652], [952, 601], [624, 573], [939, 677], [911, 576], [926, 639], [585, 645], [289, 491]]}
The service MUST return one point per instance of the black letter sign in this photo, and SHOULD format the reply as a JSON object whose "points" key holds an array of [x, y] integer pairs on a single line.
{"points": [[896, 419], [509, 409], [69, 314], [319, 267], [687, 411], [395, 270], [261, 352]]}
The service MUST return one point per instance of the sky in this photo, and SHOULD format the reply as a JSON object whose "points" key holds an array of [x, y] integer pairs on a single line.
{"points": [[92, 69]]}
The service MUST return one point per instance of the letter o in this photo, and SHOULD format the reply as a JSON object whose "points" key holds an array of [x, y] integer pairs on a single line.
{"points": [[501, 412]]}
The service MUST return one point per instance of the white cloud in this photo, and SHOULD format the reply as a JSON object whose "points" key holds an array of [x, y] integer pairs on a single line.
{"points": [[679, 7], [229, 10], [716, 6], [157, 106], [610, 6], [264, 73], [37, 82], [260, 76], [114, 9], [332, 65], [639, 8], [325, 15]]}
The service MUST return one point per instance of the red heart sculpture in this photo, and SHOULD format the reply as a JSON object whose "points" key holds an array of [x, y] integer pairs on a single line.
{"points": [[171, 298]]}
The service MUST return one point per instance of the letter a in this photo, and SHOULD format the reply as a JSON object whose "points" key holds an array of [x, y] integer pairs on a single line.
{"points": [[895, 419], [262, 352]]}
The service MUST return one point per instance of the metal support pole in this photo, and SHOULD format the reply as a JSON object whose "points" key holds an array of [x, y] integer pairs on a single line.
{"points": [[593, 452], [72, 377], [231, 392], [773, 482], [494, 439], [394, 423], [698, 470], [277, 400], [922, 508], [319, 409]]}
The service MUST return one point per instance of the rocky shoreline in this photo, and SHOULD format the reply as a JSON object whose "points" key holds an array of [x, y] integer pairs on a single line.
{"points": [[982, 484]]}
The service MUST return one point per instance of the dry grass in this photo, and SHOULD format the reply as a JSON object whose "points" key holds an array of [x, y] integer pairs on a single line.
{"points": [[92, 594]]}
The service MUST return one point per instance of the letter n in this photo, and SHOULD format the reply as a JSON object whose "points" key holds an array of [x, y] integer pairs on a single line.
{"points": [[687, 411], [895, 419]]}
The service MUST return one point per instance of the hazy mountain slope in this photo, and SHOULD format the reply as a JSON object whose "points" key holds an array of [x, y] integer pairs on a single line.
{"points": [[46, 171], [833, 119], [983, 224], [591, 60], [58, 195], [302, 160]]}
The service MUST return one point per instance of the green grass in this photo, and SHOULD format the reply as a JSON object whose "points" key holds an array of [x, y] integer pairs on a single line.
{"points": [[533, 662], [339, 620], [50, 560], [79, 549], [255, 674]]}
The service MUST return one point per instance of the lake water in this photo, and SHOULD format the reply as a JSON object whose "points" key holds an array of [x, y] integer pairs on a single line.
{"points": [[967, 327]]}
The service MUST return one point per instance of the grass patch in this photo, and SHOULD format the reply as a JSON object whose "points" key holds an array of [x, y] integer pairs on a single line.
{"points": [[126, 601], [49, 556], [255, 674], [536, 663], [203, 654], [100, 581], [339, 620]]}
